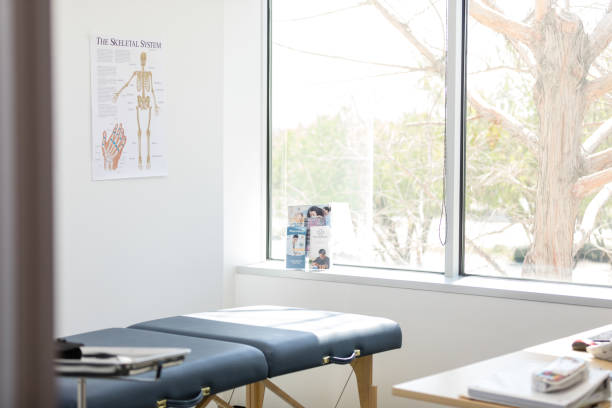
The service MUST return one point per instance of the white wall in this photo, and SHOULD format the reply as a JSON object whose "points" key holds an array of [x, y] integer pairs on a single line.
{"points": [[440, 331], [138, 249], [244, 127]]}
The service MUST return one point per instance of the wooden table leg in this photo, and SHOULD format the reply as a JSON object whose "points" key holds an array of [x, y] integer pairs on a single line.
{"points": [[221, 403], [255, 395], [282, 394], [204, 403], [363, 372]]}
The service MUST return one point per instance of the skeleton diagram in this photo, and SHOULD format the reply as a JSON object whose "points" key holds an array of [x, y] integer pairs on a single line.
{"points": [[144, 86]]}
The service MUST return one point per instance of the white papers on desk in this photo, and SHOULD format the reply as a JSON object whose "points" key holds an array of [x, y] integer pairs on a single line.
{"points": [[514, 388]]}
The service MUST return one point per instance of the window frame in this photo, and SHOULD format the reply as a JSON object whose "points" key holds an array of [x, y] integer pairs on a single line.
{"points": [[456, 108]]}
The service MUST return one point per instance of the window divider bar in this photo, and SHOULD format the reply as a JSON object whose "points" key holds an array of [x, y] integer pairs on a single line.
{"points": [[268, 129], [454, 136]]}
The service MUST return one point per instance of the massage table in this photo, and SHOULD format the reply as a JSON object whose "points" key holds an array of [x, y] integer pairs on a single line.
{"points": [[286, 339], [293, 340]]}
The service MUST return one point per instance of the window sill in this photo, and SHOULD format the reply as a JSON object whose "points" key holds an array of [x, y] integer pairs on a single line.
{"points": [[550, 292]]}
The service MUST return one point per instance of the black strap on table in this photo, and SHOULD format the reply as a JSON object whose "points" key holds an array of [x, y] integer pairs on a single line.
{"points": [[67, 349]]}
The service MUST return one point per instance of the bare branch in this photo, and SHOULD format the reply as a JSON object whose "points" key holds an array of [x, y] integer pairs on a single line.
{"points": [[542, 7], [590, 216], [601, 36], [500, 67], [525, 55], [509, 123], [597, 88], [381, 64], [387, 248], [440, 19], [325, 14], [496, 21], [406, 31], [486, 257], [587, 184], [424, 123], [598, 137], [598, 161]]}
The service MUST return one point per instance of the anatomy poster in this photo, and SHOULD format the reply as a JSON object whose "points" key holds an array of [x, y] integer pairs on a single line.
{"points": [[128, 108]]}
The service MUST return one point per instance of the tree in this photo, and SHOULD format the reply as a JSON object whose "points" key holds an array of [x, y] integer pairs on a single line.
{"points": [[561, 57]]}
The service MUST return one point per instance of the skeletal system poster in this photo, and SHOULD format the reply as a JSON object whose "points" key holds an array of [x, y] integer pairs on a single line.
{"points": [[128, 98]]}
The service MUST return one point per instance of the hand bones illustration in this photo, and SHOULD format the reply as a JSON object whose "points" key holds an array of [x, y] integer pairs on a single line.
{"points": [[112, 147]]}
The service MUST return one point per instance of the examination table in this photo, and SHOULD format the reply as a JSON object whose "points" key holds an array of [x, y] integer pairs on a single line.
{"points": [[241, 346]]}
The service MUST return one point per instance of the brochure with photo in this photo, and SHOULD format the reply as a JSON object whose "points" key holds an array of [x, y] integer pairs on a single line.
{"points": [[296, 247], [297, 214], [309, 217], [319, 254]]}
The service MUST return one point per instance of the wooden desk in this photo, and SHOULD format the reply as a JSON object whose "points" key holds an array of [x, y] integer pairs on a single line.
{"points": [[450, 387]]}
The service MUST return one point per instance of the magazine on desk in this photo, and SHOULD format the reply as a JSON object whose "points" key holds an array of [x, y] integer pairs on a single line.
{"points": [[514, 388]]}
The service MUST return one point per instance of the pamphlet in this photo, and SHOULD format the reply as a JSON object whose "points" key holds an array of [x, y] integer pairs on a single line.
{"points": [[319, 253], [296, 247]]}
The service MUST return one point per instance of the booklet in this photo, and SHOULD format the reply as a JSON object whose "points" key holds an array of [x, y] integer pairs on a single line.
{"points": [[319, 253], [297, 215], [296, 247], [514, 388]]}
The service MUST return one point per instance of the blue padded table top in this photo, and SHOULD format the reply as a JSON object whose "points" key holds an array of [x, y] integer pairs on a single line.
{"points": [[216, 364], [292, 339]]}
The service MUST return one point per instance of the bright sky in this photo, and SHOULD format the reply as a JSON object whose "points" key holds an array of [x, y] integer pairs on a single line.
{"points": [[306, 86]]}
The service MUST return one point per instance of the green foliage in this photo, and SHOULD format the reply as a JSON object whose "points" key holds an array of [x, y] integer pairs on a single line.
{"points": [[325, 161], [408, 180], [588, 252], [520, 253]]}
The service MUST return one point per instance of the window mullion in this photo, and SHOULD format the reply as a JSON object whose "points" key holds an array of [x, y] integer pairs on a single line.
{"points": [[455, 113]]}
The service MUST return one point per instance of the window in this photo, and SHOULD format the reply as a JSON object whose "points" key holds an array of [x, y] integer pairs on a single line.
{"points": [[359, 123], [357, 115], [538, 145]]}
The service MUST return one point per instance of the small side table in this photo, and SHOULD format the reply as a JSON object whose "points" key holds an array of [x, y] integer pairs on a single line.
{"points": [[117, 363]]}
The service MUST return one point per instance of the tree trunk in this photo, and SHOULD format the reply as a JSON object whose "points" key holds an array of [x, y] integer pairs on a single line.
{"points": [[560, 49]]}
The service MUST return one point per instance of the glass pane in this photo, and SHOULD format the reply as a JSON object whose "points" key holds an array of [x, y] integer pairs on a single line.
{"points": [[538, 164], [358, 118]]}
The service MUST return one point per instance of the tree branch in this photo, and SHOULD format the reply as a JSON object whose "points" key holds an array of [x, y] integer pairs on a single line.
{"points": [[500, 67], [525, 55], [597, 88], [509, 123], [406, 31], [601, 36], [358, 61], [486, 257], [590, 216], [598, 137], [542, 7], [325, 14], [587, 184], [598, 161], [498, 22]]}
